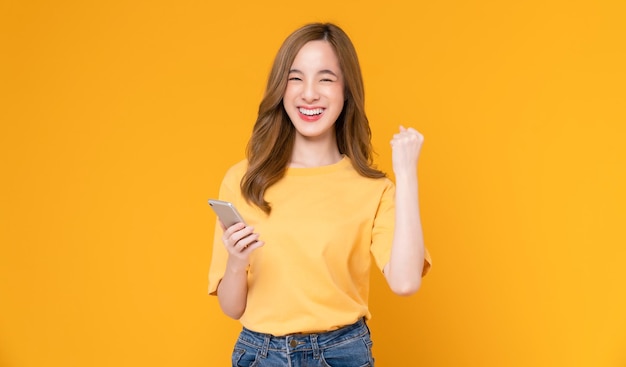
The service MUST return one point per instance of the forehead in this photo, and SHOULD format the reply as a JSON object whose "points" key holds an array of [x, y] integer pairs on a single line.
{"points": [[316, 55]]}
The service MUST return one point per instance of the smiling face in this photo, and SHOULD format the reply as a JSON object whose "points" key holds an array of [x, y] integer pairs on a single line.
{"points": [[314, 95]]}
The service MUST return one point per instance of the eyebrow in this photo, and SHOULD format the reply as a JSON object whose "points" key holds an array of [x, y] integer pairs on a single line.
{"points": [[324, 71]]}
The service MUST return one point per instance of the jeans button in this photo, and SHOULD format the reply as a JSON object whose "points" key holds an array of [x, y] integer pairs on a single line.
{"points": [[293, 343]]}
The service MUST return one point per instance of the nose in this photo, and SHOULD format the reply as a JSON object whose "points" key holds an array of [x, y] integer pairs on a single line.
{"points": [[310, 92]]}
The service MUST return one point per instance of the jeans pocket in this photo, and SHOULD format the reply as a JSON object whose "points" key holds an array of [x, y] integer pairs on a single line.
{"points": [[244, 356], [355, 352]]}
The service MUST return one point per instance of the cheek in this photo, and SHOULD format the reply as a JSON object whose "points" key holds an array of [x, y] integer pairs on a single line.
{"points": [[339, 90], [339, 93], [290, 92]]}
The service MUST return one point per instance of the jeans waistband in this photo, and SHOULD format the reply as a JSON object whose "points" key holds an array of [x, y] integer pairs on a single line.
{"points": [[301, 342]]}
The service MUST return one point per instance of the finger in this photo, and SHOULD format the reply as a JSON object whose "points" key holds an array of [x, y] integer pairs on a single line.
{"points": [[411, 133], [230, 237], [247, 241], [234, 228], [419, 135], [400, 137], [253, 246], [241, 234], [240, 246], [397, 140], [402, 128]]}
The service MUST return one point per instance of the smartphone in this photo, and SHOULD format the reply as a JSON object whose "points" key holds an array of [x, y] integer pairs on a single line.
{"points": [[226, 211]]}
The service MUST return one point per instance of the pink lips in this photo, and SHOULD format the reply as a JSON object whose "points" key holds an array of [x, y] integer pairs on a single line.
{"points": [[310, 118]]}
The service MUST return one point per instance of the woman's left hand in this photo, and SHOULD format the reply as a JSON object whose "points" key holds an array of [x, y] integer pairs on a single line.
{"points": [[405, 149]]}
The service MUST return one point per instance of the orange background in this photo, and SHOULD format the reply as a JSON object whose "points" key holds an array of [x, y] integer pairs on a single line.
{"points": [[119, 118]]}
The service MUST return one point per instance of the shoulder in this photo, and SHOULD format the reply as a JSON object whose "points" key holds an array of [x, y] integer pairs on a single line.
{"points": [[237, 169], [229, 188], [373, 187], [383, 182], [234, 173]]}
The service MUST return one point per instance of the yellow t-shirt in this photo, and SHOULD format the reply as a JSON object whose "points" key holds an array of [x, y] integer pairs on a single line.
{"points": [[312, 274]]}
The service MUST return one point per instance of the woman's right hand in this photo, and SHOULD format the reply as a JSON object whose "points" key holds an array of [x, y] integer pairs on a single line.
{"points": [[240, 240], [232, 291]]}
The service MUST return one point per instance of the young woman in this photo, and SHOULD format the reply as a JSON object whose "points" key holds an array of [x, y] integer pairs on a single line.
{"points": [[297, 274]]}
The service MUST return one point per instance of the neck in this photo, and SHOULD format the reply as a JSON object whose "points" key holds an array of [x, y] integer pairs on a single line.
{"points": [[314, 154]]}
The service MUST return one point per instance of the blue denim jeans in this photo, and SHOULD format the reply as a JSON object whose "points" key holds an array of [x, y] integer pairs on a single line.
{"points": [[350, 346]]}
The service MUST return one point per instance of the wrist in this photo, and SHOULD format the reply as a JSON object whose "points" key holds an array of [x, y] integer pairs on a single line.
{"points": [[406, 175], [236, 267]]}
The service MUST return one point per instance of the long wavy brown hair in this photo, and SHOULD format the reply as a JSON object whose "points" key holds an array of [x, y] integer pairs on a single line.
{"points": [[271, 144]]}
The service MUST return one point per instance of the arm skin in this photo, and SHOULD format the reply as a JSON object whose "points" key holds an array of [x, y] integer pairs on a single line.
{"points": [[404, 270], [232, 292]]}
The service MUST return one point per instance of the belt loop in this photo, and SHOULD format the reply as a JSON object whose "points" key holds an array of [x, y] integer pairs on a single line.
{"points": [[316, 348], [266, 345]]}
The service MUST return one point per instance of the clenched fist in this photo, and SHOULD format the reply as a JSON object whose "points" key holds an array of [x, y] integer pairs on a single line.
{"points": [[405, 149]]}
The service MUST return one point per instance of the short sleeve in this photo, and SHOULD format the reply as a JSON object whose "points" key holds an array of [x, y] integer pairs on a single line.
{"points": [[229, 191], [382, 232]]}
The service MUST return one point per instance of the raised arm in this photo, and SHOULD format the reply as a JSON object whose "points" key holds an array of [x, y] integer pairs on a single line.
{"points": [[404, 270]]}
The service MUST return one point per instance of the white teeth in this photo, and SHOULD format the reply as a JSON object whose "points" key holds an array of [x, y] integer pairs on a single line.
{"points": [[316, 111]]}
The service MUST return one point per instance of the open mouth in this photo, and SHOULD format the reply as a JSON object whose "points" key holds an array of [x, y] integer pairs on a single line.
{"points": [[311, 112]]}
